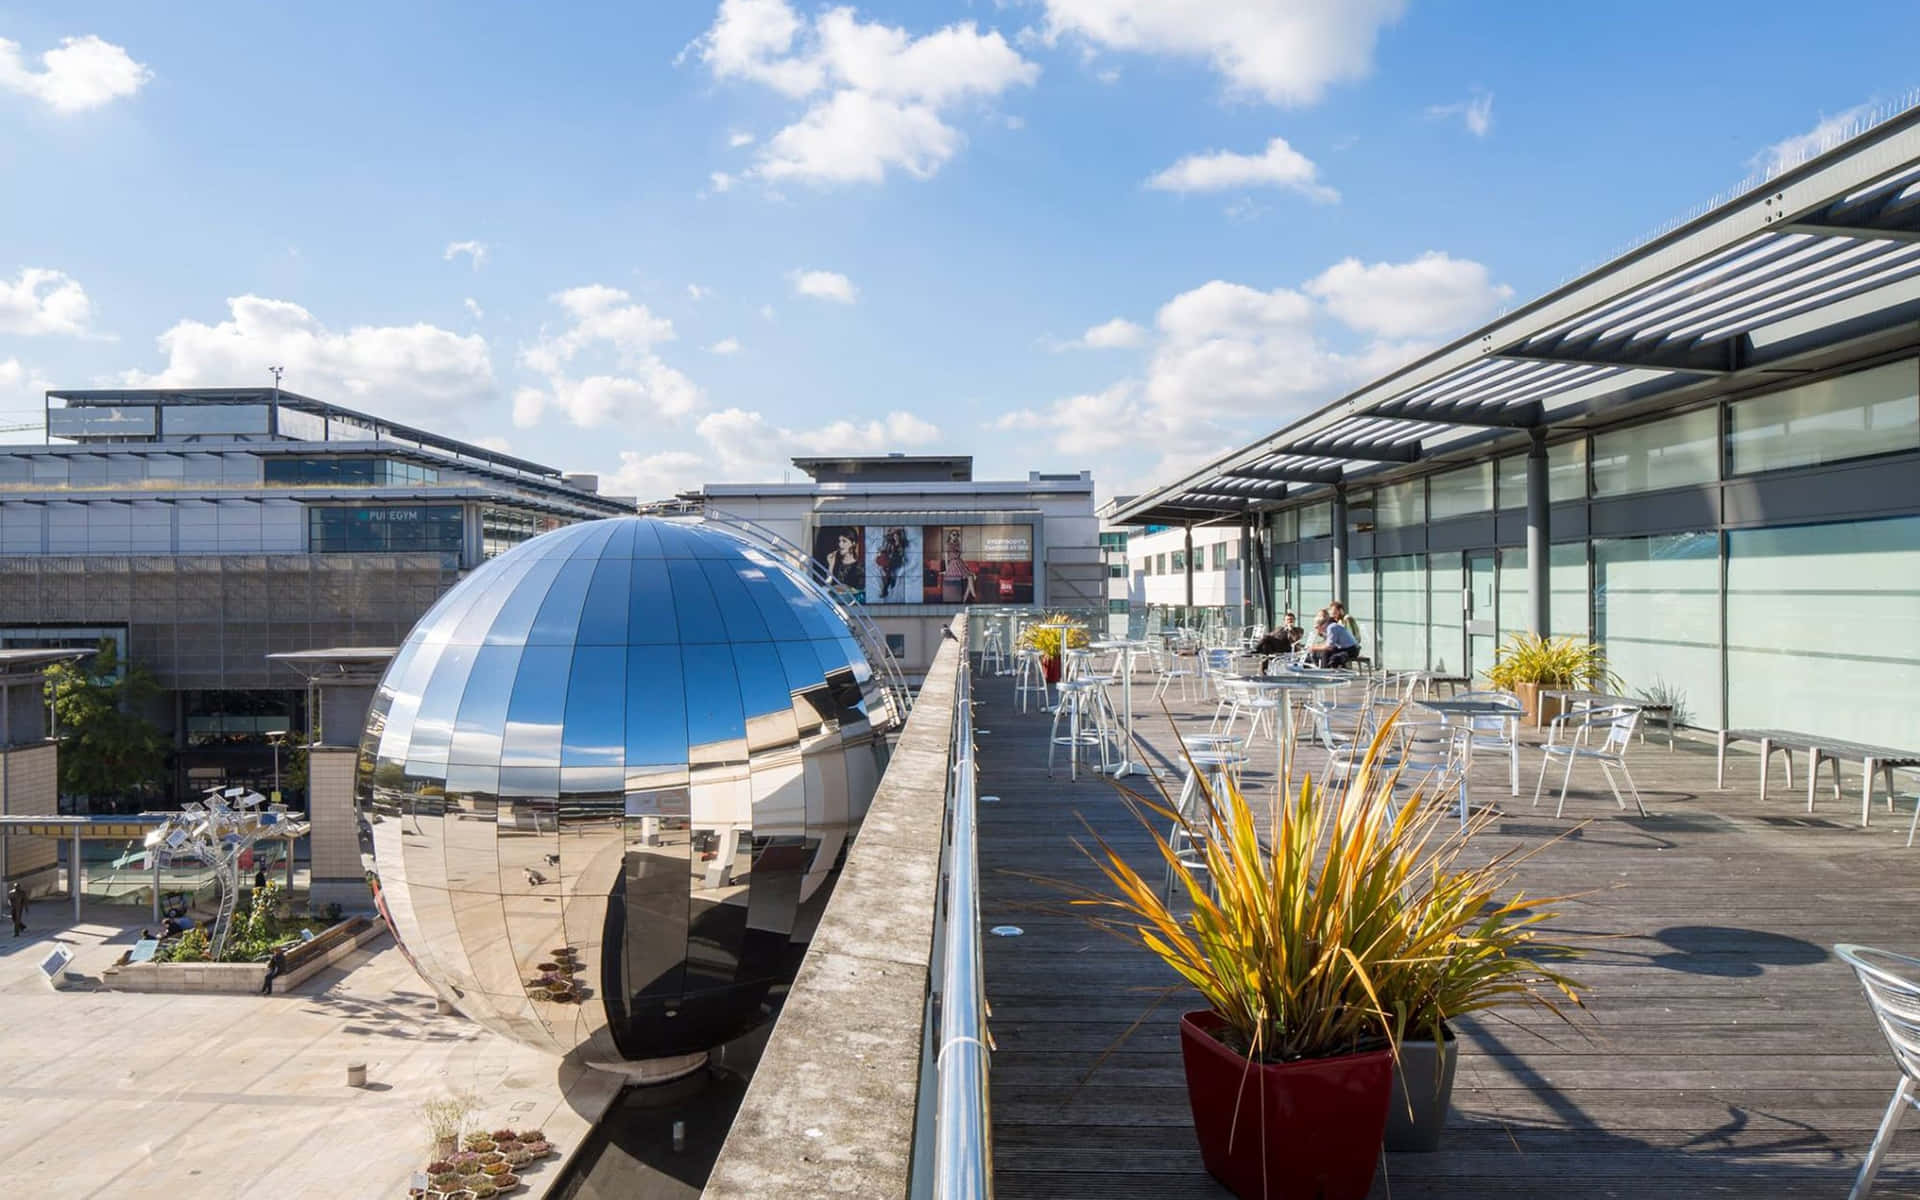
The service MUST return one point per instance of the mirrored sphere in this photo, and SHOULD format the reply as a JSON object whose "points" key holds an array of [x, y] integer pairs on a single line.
{"points": [[607, 782]]}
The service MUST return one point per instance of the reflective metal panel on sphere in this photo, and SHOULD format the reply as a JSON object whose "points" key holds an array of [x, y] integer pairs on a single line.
{"points": [[606, 784]]}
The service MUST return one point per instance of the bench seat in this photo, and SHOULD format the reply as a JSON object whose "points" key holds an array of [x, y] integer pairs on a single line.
{"points": [[1875, 761]]}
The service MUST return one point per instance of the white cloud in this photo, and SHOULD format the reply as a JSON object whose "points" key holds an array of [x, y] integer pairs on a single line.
{"points": [[720, 181], [1285, 52], [473, 307], [766, 312], [1828, 133], [44, 301], [823, 285], [1279, 165], [1117, 334], [697, 293], [878, 97], [1430, 295], [737, 140], [1229, 361], [417, 373], [635, 384], [475, 251], [725, 346], [741, 445], [1476, 112], [83, 73]]}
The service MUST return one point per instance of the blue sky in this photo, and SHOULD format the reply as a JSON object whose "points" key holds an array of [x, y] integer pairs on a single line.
{"points": [[677, 242]]}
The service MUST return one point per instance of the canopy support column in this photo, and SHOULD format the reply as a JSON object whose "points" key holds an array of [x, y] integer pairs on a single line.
{"points": [[1340, 543], [1539, 533]]}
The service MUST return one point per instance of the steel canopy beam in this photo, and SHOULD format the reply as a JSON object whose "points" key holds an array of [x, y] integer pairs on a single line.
{"points": [[1824, 229], [1713, 358], [1287, 474], [1518, 416], [1403, 452]]}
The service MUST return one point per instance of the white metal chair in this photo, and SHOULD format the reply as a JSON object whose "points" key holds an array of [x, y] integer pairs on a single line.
{"points": [[1182, 668], [1218, 763], [1892, 984], [1618, 721], [1498, 732], [1433, 757]]}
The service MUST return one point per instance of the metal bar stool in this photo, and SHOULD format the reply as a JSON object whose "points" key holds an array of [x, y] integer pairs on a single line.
{"points": [[1220, 766], [1030, 679], [1083, 707]]}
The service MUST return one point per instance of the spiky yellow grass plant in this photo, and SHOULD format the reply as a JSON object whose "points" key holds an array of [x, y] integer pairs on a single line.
{"points": [[1352, 923], [1052, 642], [1551, 662]]}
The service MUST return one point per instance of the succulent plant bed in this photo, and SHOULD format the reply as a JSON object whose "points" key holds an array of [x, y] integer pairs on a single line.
{"points": [[490, 1166]]}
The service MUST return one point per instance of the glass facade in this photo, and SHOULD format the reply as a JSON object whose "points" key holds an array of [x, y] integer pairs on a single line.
{"points": [[1219, 556], [212, 420], [1401, 504], [501, 529], [370, 528], [1823, 629], [1400, 632], [1671, 453], [1462, 493], [1656, 609], [1316, 521], [1446, 618], [1867, 412], [348, 472], [1360, 602]]}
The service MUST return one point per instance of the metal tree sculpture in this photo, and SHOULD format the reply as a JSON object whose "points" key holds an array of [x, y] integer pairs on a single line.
{"points": [[218, 833]]}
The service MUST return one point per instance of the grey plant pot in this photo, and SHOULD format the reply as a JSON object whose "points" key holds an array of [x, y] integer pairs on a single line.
{"points": [[1422, 1088]]}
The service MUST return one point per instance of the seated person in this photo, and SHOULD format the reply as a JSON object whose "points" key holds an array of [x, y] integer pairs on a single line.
{"points": [[1333, 644], [1281, 639]]}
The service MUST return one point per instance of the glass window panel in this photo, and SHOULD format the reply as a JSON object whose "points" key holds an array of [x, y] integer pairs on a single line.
{"points": [[1867, 412], [1823, 629], [181, 420], [1316, 521], [1513, 589], [1360, 600], [1657, 612], [1285, 526], [1510, 480], [1461, 493], [1567, 585], [1446, 620], [1400, 504], [1400, 634], [1567, 471], [1314, 581], [1360, 518], [1671, 453], [101, 421]]}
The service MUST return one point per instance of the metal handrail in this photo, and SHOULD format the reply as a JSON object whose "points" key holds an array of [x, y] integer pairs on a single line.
{"points": [[963, 1151], [864, 630]]}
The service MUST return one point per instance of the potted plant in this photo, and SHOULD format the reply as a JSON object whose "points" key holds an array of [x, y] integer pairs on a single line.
{"points": [[1529, 662], [446, 1116], [1053, 643], [1308, 941], [1463, 949]]}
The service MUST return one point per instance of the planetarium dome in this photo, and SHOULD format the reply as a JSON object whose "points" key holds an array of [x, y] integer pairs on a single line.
{"points": [[608, 780]]}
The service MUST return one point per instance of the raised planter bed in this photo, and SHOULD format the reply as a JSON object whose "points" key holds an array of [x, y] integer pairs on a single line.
{"points": [[302, 961]]}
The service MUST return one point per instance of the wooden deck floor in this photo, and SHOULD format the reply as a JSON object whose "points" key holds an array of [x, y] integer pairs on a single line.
{"points": [[1729, 1053]]}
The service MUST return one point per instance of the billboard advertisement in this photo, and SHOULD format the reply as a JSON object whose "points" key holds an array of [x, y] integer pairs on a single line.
{"points": [[928, 564]]}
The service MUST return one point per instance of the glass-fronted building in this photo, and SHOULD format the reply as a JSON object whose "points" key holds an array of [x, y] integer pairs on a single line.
{"points": [[201, 530], [1704, 455]]}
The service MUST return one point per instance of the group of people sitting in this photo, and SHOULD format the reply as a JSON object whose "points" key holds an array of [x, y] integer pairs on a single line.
{"points": [[1336, 638]]}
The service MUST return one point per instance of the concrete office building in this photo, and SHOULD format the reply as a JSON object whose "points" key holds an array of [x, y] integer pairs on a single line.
{"points": [[1122, 604], [1704, 454], [913, 539], [1190, 575], [202, 530]]}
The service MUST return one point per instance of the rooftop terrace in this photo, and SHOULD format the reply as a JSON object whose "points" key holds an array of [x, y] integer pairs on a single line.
{"points": [[1727, 1051]]}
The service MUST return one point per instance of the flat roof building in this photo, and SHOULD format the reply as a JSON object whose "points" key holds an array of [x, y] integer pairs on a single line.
{"points": [[203, 529], [911, 540], [1704, 455]]}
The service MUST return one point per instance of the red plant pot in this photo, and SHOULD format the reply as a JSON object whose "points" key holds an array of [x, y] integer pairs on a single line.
{"points": [[1306, 1130], [1050, 667]]}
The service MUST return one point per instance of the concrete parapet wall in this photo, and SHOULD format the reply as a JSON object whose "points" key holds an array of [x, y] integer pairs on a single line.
{"points": [[831, 1106]]}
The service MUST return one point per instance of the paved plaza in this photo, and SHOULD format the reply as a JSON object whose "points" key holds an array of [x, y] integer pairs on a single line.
{"points": [[121, 1094]]}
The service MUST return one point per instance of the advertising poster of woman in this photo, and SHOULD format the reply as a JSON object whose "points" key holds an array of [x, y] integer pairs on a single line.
{"points": [[893, 564], [979, 564], [838, 549]]}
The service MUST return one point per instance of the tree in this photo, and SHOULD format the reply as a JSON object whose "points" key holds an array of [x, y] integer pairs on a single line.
{"points": [[105, 749]]}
